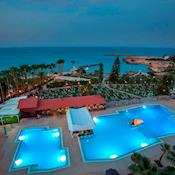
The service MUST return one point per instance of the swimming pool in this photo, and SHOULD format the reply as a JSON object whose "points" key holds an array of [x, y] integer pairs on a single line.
{"points": [[40, 150], [114, 137]]}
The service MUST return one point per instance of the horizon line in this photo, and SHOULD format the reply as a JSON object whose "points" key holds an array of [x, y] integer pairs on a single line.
{"points": [[159, 47]]}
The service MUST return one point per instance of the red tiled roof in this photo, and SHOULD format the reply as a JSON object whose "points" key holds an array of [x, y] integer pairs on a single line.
{"points": [[28, 103], [54, 104], [83, 101]]}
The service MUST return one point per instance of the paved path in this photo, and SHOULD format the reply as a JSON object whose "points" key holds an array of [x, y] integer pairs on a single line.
{"points": [[69, 78], [8, 147], [135, 96]]}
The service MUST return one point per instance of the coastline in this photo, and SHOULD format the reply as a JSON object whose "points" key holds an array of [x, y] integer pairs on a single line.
{"points": [[81, 56], [158, 65]]}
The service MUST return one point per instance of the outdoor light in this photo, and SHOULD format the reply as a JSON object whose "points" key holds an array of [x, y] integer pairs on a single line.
{"points": [[144, 144], [22, 137], [96, 120], [18, 162], [144, 107], [57, 134], [63, 158], [113, 156]]}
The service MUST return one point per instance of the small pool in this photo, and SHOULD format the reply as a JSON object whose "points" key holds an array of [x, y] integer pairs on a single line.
{"points": [[114, 137], [40, 150]]}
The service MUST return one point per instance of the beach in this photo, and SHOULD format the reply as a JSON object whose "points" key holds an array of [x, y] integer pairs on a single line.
{"points": [[157, 65]]}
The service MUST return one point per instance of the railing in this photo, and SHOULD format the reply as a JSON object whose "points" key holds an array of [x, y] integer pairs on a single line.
{"points": [[132, 101], [137, 101]]}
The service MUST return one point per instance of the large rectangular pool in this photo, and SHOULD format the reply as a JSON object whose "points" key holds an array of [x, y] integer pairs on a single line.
{"points": [[114, 137], [40, 150]]}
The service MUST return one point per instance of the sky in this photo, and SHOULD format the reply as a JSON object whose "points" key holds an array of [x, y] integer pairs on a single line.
{"points": [[135, 23]]}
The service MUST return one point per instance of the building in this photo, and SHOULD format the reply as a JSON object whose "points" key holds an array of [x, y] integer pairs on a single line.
{"points": [[9, 113], [80, 121], [34, 106]]}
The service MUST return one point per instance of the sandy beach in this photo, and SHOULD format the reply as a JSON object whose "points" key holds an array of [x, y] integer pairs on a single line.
{"points": [[158, 65]]}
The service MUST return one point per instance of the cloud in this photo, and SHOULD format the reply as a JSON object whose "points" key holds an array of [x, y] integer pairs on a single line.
{"points": [[87, 21]]}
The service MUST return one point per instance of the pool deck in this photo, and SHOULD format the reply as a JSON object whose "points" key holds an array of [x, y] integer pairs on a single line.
{"points": [[8, 146]]}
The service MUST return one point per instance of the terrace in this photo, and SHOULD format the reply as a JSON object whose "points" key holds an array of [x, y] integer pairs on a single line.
{"points": [[8, 146]]}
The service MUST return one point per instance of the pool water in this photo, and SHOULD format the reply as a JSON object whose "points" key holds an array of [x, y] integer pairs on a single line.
{"points": [[114, 137], [40, 150]]}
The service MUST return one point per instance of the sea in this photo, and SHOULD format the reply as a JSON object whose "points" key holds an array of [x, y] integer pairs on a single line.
{"points": [[80, 55]]}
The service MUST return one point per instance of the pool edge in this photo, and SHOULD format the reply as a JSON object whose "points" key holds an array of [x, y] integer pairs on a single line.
{"points": [[28, 168]]}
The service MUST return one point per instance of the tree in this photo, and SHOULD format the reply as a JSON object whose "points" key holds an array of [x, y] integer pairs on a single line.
{"points": [[164, 84], [52, 67], [41, 72], [100, 72], [115, 70], [60, 63], [165, 148], [1, 90], [117, 67], [7, 77], [86, 88], [25, 69], [172, 58], [34, 68], [167, 171], [14, 72], [171, 157], [142, 165]]}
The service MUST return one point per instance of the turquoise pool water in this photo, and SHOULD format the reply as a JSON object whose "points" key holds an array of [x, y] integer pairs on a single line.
{"points": [[40, 150], [114, 137]]}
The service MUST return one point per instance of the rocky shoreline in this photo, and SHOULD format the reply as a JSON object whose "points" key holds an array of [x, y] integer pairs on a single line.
{"points": [[158, 65]]}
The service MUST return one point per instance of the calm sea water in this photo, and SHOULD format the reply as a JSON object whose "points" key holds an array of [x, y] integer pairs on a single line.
{"points": [[81, 55]]}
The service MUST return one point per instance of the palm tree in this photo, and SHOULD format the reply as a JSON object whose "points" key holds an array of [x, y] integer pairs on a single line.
{"points": [[164, 84], [36, 72], [14, 72], [60, 63], [1, 93], [167, 171], [7, 76], [25, 69], [100, 72], [1, 89], [142, 165], [49, 69], [52, 67], [171, 157], [41, 73], [165, 148], [34, 68]]}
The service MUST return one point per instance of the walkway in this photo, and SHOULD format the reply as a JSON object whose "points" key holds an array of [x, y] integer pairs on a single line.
{"points": [[127, 93], [69, 78]]}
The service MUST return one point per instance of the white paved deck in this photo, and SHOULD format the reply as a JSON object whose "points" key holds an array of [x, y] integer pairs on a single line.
{"points": [[8, 148], [69, 78]]}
